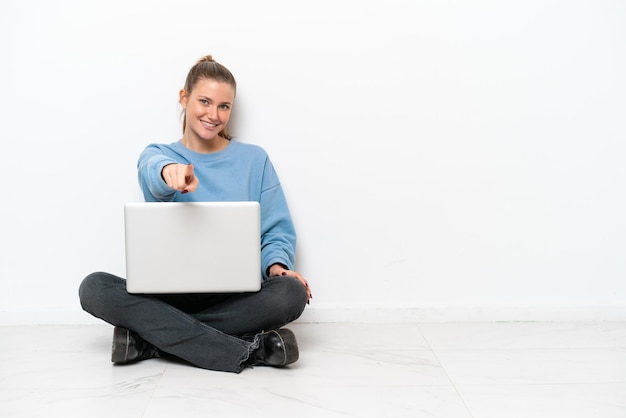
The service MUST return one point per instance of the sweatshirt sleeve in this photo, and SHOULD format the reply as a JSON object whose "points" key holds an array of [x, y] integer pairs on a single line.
{"points": [[149, 167], [278, 236]]}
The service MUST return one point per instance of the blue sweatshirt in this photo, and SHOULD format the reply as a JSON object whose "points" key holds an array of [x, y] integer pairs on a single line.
{"points": [[240, 172]]}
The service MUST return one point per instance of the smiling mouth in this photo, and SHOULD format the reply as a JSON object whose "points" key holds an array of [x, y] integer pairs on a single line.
{"points": [[208, 124]]}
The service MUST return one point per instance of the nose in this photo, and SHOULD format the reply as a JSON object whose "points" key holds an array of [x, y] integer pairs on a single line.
{"points": [[212, 112]]}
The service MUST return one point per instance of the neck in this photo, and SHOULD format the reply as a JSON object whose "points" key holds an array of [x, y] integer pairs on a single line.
{"points": [[204, 146]]}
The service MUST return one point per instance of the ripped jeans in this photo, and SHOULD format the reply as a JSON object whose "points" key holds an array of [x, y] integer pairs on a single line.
{"points": [[202, 329]]}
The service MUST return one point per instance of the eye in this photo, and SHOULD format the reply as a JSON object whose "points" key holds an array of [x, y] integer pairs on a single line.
{"points": [[204, 101], [225, 107]]}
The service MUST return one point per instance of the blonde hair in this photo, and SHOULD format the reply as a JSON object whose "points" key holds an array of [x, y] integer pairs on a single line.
{"points": [[208, 68]]}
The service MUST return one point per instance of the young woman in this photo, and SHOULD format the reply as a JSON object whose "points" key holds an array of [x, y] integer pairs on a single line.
{"points": [[225, 332]]}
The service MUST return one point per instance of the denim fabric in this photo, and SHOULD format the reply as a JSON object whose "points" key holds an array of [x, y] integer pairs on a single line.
{"points": [[202, 329]]}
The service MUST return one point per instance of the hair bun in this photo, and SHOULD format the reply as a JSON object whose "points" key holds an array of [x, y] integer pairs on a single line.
{"points": [[207, 58]]}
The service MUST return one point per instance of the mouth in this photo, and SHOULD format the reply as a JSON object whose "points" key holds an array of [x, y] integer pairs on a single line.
{"points": [[208, 125]]}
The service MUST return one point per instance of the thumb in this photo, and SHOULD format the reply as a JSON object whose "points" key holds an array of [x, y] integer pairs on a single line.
{"points": [[189, 174], [191, 182]]}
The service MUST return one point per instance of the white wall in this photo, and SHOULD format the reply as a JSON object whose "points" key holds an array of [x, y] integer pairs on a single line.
{"points": [[458, 159]]}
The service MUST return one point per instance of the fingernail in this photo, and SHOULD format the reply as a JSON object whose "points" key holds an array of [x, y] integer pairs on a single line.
{"points": [[184, 191]]}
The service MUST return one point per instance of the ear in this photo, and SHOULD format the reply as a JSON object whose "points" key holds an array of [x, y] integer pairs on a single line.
{"points": [[182, 98]]}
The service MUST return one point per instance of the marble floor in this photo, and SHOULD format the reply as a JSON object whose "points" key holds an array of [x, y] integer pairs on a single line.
{"points": [[449, 370]]}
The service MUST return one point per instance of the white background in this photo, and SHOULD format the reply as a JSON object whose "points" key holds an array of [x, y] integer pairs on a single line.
{"points": [[448, 157]]}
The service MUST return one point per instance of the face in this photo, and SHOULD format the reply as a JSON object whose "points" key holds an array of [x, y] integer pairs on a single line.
{"points": [[207, 111]]}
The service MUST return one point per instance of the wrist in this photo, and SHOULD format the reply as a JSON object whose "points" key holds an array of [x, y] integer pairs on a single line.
{"points": [[272, 268]]}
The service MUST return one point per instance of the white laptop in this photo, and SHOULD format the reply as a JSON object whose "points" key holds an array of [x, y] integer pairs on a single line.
{"points": [[192, 247]]}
